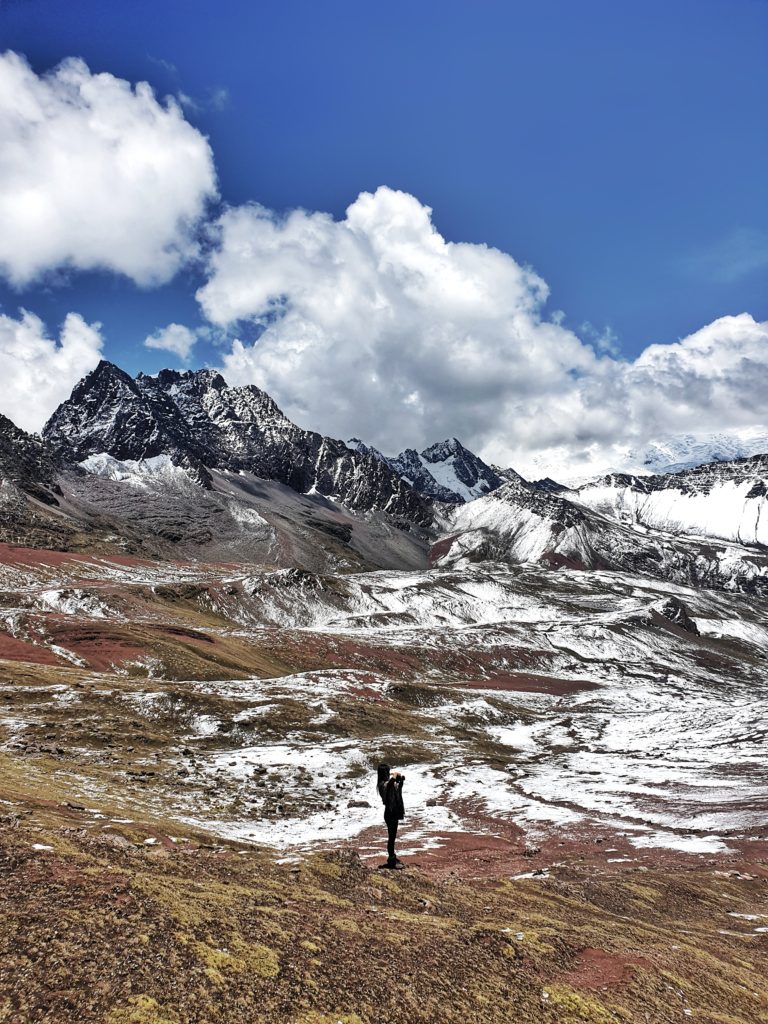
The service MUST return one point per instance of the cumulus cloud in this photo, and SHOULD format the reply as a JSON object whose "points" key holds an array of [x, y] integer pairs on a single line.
{"points": [[712, 381], [175, 338], [96, 173], [375, 325], [39, 372]]}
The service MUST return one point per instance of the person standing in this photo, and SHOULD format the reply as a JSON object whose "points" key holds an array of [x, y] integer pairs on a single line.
{"points": [[390, 787]]}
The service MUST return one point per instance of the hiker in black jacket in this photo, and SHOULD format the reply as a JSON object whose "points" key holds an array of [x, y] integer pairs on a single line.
{"points": [[390, 787]]}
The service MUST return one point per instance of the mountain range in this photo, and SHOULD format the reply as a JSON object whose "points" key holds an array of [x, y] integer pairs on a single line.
{"points": [[446, 471], [200, 423], [181, 461]]}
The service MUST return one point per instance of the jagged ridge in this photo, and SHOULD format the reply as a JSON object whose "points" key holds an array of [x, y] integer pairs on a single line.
{"points": [[201, 423], [446, 471], [726, 500]]}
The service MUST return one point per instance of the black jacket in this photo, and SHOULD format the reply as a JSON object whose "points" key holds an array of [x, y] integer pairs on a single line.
{"points": [[391, 793]]}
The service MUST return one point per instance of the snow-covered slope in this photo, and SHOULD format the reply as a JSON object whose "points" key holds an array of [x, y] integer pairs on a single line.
{"points": [[140, 440], [688, 450], [726, 500], [138, 472], [446, 471], [518, 524]]}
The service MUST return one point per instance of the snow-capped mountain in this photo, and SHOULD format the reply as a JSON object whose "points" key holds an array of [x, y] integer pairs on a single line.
{"points": [[446, 471], [724, 500], [687, 450], [201, 424], [664, 455], [130, 453], [520, 524]]}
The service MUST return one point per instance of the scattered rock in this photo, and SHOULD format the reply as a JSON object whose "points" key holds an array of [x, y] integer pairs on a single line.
{"points": [[675, 611]]}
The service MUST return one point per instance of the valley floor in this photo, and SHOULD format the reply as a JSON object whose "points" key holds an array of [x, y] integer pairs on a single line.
{"points": [[190, 831]]}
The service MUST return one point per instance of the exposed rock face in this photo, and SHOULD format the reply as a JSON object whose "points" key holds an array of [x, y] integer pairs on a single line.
{"points": [[410, 467], [672, 608], [201, 424], [367, 449], [446, 471], [546, 484], [133, 434], [110, 412], [26, 462]]}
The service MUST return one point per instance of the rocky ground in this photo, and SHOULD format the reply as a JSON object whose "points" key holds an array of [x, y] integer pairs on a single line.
{"points": [[128, 923], [189, 830]]}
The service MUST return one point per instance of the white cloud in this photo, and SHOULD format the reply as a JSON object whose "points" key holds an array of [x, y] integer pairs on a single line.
{"points": [[38, 372], [713, 381], [95, 173], [376, 326], [739, 254], [174, 338], [216, 99]]}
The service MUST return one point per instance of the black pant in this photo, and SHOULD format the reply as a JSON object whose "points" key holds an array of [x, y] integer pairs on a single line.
{"points": [[392, 831]]}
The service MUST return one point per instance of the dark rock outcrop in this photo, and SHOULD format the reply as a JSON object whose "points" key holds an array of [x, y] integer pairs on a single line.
{"points": [[673, 609], [27, 462], [201, 423]]}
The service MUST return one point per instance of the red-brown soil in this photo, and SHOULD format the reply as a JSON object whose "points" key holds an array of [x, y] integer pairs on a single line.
{"points": [[528, 682], [597, 968], [21, 650]]}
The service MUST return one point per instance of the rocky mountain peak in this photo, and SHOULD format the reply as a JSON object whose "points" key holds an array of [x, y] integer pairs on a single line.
{"points": [[447, 471], [201, 424], [442, 450], [105, 379], [191, 380], [111, 412], [367, 449]]}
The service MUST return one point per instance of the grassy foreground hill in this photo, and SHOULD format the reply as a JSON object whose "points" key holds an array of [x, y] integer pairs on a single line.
{"points": [[125, 923]]}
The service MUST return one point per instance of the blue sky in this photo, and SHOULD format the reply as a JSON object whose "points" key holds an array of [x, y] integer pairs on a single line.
{"points": [[620, 149]]}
